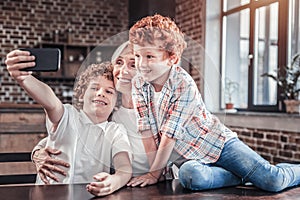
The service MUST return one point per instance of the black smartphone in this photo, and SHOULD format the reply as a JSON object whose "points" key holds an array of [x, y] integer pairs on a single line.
{"points": [[46, 59]]}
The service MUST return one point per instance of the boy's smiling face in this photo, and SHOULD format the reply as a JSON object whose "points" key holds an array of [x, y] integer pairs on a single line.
{"points": [[153, 63], [99, 99]]}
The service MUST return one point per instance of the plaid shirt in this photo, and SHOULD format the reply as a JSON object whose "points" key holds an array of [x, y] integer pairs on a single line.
{"points": [[181, 115]]}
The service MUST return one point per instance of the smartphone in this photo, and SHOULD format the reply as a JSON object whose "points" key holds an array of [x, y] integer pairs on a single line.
{"points": [[46, 59]]}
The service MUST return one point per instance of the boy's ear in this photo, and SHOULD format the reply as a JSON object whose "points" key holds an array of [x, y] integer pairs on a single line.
{"points": [[80, 98], [174, 59]]}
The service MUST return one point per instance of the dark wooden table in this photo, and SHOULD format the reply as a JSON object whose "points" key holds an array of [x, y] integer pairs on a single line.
{"points": [[161, 191]]}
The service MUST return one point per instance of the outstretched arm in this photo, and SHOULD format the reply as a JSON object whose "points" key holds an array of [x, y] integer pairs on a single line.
{"points": [[16, 61]]}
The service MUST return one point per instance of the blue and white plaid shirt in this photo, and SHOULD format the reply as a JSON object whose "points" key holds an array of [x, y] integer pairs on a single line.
{"points": [[181, 115]]}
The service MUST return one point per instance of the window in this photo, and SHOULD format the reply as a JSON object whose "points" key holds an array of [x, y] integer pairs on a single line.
{"points": [[230, 4], [235, 53], [294, 33], [255, 40]]}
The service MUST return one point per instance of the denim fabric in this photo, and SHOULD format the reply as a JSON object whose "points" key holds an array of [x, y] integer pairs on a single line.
{"points": [[239, 164]]}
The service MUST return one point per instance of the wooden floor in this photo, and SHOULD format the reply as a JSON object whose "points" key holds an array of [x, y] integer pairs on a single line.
{"points": [[162, 191]]}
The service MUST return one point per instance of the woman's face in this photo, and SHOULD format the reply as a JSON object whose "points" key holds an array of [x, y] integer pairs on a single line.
{"points": [[124, 71]]}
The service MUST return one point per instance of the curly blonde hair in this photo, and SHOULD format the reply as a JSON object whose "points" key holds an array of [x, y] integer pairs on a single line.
{"points": [[82, 81], [156, 30]]}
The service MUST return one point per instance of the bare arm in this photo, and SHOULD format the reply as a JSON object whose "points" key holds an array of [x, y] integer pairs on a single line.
{"points": [[149, 145], [162, 156], [39, 91], [45, 96], [106, 183], [159, 163]]}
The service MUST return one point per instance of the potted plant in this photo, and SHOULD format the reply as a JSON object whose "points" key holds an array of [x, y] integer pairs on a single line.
{"points": [[287, 80], [230, 88]]}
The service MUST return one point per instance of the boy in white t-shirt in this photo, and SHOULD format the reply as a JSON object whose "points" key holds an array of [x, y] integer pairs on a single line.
{"points": [[124, 70], [88, 141]]}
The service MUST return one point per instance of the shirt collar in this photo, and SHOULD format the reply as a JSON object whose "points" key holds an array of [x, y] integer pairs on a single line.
{"points": [[86, 120], [102, 125]]}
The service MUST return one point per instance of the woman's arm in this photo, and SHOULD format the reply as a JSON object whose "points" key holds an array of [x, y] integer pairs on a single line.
{"points": [[45, 164]]}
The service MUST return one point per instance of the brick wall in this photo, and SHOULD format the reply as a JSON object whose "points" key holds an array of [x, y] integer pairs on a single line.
{"points": [[274, 146], [191, 16], [31, 22]]}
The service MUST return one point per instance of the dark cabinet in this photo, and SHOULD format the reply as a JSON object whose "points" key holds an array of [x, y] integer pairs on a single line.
{"points": [[75, 56]]}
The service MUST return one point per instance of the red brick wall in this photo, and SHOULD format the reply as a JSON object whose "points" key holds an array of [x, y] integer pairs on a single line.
{"points": [[31, 22], [274, 146], [191, 16]]}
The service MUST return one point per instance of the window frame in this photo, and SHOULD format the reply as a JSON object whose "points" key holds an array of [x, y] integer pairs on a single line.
{"points": [[283, 46]]}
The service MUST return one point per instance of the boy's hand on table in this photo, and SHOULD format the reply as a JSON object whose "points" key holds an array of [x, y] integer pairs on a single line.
{"points": [[102, 186], [46, 165], [142, 181]]}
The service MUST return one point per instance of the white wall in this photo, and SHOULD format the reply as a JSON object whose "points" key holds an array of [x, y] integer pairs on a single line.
{"points": [[212, 75]]}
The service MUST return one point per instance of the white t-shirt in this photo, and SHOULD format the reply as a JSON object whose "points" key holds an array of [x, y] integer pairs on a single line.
{"points": [[155, 102], [127, 117], [88, 147]]}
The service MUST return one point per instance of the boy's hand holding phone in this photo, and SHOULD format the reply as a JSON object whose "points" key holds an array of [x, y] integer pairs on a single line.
{"points": [[17, 60], [21, 63]]}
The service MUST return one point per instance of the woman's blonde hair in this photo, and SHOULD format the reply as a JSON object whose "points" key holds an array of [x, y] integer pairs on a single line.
{"points": [[158, 30], [82, 81], [126, 46]]}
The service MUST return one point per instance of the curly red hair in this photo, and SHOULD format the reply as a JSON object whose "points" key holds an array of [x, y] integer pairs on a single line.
{"points": [[159, 31]]}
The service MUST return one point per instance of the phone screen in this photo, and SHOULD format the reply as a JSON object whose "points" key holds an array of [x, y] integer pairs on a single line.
{"points": [[46, 59]]}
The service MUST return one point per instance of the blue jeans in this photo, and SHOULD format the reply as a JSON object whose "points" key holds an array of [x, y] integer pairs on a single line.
{"points": [[239, 164]]}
